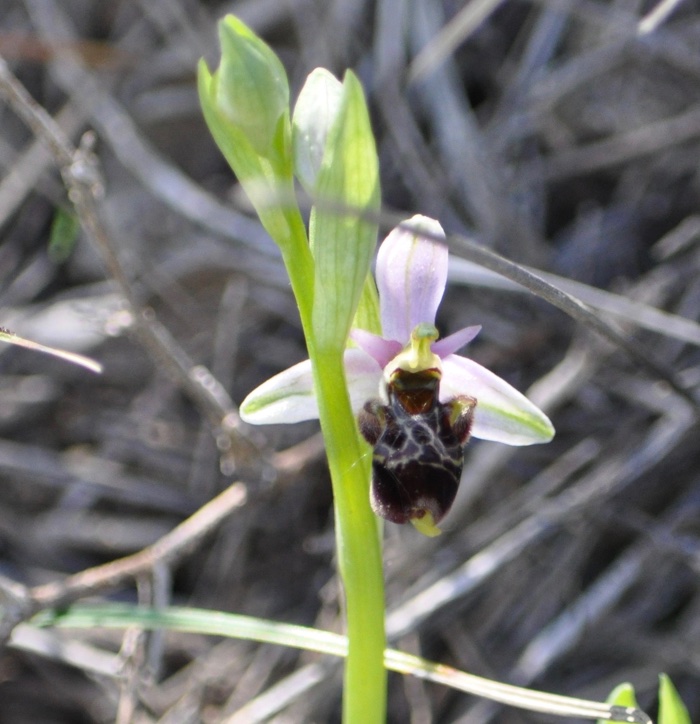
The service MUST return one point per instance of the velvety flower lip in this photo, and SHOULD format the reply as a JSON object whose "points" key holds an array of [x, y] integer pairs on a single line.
{"points": [[411, 275]]}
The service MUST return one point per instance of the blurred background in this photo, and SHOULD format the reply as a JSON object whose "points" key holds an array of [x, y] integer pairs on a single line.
{"points": [[564, 134]]}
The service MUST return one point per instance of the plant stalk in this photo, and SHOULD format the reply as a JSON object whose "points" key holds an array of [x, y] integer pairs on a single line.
{"points": [[357, 534]]}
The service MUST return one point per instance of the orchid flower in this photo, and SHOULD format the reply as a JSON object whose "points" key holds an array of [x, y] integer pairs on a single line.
{"points": [[411, 274]]}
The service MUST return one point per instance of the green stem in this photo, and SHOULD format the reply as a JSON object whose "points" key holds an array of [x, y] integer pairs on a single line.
{"points": [[358, 545], [357, 537]]}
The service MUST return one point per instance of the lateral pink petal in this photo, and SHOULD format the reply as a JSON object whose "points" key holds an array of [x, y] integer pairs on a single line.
{"points": [[380, 349], [453, 342]]}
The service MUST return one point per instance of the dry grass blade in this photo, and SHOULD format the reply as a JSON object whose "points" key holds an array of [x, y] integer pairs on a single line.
{"points": [[72, 357], [572, 306], [631, 310], [657, 15], [457, 31]]}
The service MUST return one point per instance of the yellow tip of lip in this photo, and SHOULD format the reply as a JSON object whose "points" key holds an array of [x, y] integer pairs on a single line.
{"points": [[426, 525]]}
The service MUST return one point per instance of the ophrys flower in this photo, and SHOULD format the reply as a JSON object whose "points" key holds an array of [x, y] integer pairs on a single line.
{"points": [[418, 400]]}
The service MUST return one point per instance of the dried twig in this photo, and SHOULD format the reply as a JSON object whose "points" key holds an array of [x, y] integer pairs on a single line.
{"points": [[81, 175], [180, 541], [165, 551]]}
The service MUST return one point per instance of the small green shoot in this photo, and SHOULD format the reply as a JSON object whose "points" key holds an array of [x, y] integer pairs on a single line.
{"points": [[64, 235]]}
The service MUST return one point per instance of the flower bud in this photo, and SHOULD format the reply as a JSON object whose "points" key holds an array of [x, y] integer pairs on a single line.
{"points": [[252, 91], [314, 114]]}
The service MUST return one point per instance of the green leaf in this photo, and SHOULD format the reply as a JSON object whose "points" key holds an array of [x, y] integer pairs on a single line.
{"points": [[672, 710], [217, 623], [343, 243]]}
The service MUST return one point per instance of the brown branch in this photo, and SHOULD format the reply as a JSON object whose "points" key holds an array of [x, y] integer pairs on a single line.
{"points": [[180, 541], [20, 603]]}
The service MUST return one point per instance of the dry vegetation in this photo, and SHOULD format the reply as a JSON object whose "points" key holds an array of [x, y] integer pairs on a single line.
{"points": [[564, 135]]}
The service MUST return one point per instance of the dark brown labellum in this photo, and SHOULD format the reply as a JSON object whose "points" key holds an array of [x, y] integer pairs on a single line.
{"points": [[419, 447]]}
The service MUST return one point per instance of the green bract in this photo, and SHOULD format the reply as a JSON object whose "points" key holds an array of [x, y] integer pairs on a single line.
{"points": [[343, 243], [316, 114], [367, 315]]}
